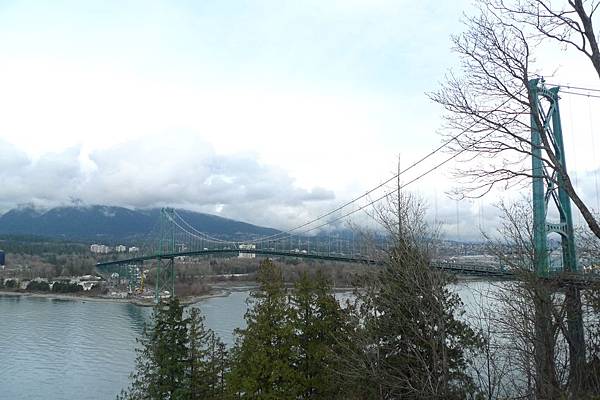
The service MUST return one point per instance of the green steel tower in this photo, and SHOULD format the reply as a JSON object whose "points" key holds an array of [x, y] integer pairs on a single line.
{"points": [[165, 268], [547, 181]]}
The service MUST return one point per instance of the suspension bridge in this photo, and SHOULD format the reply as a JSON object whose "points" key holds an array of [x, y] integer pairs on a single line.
{"points": [[175, 239]]}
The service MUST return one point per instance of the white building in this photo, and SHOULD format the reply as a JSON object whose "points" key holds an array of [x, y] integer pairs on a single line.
{"points": [[134, 249], [120, 249], [99, 249]]}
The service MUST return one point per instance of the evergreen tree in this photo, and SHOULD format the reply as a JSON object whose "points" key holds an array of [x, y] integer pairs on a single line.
{"points": [[411, 343], [261, 359], [319, 327], [161, 371], [170, 349], [197, 356], [408, 341], [207, 360], [218, 365]]}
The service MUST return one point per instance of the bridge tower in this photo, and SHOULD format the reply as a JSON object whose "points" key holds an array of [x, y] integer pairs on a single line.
{"points": [[547, 182], [165, 268]]}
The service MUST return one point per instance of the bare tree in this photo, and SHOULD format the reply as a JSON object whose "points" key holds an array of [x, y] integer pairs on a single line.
{"points": [[492, 106], [588, 249], [570, 23], [409, 341], [528, 320], [492, 367], [588, 246], [525, 322], [495, 108]]}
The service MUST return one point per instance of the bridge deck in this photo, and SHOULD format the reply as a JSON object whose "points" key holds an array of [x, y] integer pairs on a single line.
{"points": [[466, 268], [460, 268]]}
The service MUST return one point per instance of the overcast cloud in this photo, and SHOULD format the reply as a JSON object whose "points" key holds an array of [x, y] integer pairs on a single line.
{"points": [[187, 173], [153, 172], [270, 112]]}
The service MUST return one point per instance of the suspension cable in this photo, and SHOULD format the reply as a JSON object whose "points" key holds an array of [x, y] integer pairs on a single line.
{"points": [[288, 233], [573, 87], [581, 94], [208, 237], [403, 185], [421, 160]]}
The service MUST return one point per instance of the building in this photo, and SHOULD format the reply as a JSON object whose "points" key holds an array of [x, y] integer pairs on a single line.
{"points": [[120, 249], [247, 247], [88, 282], [134, 249], [99, 249]]}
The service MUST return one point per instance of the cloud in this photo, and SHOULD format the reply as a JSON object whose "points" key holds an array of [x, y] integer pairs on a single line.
{"points": [[178, 170], [328, 91], [184, 171]]}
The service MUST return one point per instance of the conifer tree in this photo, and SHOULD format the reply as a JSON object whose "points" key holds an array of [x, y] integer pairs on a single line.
{"points": [[319, 326], [413, 342], [207, 360], [179, 358], [218, 365], [408, 341], [161, 361], [261, 359], [198, 354]]}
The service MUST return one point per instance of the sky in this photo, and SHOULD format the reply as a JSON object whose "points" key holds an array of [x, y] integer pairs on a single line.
{"points": [[270, 112]]}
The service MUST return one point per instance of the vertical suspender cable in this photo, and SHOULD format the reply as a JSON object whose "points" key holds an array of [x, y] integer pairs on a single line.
{"points": [[593, 152], [572, 145]]}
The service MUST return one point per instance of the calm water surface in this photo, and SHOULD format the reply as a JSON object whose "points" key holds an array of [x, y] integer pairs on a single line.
{"points": [[70, 349]]}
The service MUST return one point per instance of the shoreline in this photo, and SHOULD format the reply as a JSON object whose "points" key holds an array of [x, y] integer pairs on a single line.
{"points": [[218, 290], [188, 300]]}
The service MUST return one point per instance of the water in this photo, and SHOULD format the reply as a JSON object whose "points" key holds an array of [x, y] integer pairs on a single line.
{"points": [[224, 314], [57, 349], [71, 349]]}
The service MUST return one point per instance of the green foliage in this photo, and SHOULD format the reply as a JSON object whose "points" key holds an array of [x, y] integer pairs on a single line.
{"points": [[38, 245], [11, 283], [66, 287], [261, 367], [288, 349], [401, 339], [160, 364], [178, 359], [319, 326], [207, 360], [410, 343], [36, 286]]}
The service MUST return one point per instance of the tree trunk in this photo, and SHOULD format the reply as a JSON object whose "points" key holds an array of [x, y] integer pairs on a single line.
{"points": [[576, 340], [585, 212], [588, 31], [546, 382]]}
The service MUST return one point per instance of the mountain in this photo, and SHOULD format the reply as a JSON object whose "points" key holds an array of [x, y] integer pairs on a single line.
{"points": [[112, 224]]}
